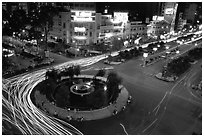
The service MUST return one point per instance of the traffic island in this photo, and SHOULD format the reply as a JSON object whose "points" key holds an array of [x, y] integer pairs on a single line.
{"points": [[83, 99], [167, 78]]}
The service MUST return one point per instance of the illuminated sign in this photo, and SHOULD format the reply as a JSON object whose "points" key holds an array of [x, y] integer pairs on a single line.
{"points": [[159, 18], [79, 29], [169, 11], [154, 18], [121, 16], [79, 15], [82, 19], [83, 13], [80, 37]]}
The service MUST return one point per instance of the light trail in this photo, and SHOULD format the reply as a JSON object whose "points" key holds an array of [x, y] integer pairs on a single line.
{"points": [[20, 111], [124, 129], [23, 114], [150, 125]]}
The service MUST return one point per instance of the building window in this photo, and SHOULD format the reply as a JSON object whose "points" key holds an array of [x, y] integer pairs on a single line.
{"points": [[90, 34], [98, 27], [60, 16], [64, 33], [64, 25]]}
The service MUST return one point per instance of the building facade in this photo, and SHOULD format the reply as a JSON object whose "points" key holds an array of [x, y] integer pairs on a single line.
{"points": [[84, 27], [75, 26], [156, 28], [136, 28]]}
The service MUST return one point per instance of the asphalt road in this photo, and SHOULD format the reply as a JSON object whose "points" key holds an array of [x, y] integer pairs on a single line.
{"points": [[158, 107], [147, 114]]}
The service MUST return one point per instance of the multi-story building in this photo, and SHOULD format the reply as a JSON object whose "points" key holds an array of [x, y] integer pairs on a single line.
{"points": [[190, 13], [85, 27], [104, 27], [11, 6], [168, 10], [76, 25], [156, 28], [136, 28], [181, 22], [61, 27]]}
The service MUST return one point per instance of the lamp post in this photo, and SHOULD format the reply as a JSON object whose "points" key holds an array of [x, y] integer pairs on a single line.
{"points": [[145, 55], [167, 52], [155, 49]]}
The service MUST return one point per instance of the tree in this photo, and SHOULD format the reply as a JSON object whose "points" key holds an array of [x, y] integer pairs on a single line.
{"points": [[69, 72], [44, 18], [52, 74], [113, 82], [62, 96], [77, 70]]}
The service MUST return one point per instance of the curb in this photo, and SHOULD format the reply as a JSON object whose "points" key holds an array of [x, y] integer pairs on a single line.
{"points": [[101, 113]]}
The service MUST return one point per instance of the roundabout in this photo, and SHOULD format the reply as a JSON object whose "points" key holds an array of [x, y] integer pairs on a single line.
{"points": [[84, 91]]}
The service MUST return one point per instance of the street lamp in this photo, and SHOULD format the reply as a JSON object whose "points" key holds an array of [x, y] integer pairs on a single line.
{"points": [[145, 55], [155, 49], [177, 52]]}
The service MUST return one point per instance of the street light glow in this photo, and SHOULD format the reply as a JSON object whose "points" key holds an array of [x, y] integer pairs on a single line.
{"points": [[145, 55], [167, 47], [155, 49]]}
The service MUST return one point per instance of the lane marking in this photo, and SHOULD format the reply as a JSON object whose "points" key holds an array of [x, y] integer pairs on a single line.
{"points": [[124, 129], [150, 125]]}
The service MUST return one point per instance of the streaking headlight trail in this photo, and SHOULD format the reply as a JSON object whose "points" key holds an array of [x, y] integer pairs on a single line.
{"points": [[20, 111]]}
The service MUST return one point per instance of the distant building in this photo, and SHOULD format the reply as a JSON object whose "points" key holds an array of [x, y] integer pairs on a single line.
{"points": [[84, 27], [136, 28], [191, 13], [76, 25], [168, 10], [156, 28], [181, 22]]}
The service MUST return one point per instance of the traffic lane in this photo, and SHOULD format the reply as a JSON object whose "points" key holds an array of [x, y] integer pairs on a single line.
{"points": [[180, 102], [174, 46], [146, 95], [195, 75], [179, 116]]}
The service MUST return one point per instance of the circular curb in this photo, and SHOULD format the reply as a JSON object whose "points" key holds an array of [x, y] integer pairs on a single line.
{"points": [[108, 111]]}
